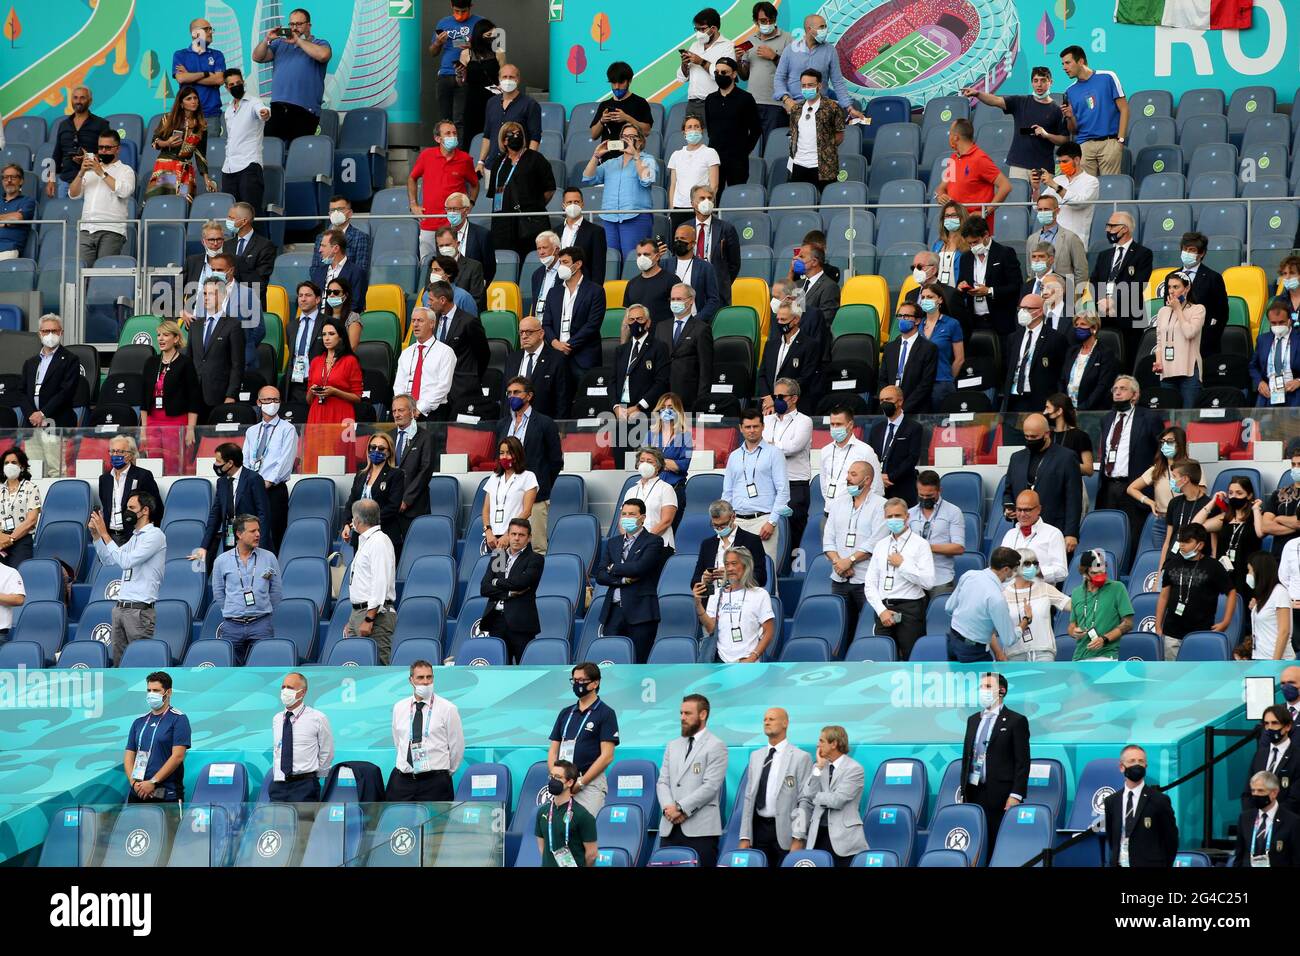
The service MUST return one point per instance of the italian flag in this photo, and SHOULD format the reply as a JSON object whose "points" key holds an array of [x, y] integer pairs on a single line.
{"points": [[1186, 14]]}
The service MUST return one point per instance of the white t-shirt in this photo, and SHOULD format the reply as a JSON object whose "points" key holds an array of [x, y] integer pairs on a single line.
{"points": [[11, 582], [746, 610], [692, 170], [1263, 626], [505, 498], [1038, 599], [656, 494]]}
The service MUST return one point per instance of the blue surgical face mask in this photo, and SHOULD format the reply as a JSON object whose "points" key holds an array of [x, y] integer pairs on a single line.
{"points": [[1038, 266], [1291, 283], [780, 406], [821, 35], [1045, 217], [1168, 449], [668, 414], [987, 697], [798, 267], [693, 136], [326, 260], [1187, 554], [905, 326], [809, 94], [117, 461], [677, 306], [153, 699], [450, 142], [766, 28], [1029, 571], [515, 402], [1189, 259], [334, 301], [952, 224], [1083, 334], [230, 227], [619, 94], [377, 458], [627, 524], [853, 490], [927, 306], [1173, 485], [895, 525], [839, 433], [454, 218], [723, 532], [1295, 475]]}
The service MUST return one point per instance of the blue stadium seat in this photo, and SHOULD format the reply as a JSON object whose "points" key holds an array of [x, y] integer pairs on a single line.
{"points": [[950, 859], [880, 649], [825, 617], [677, 615], [44, 623], [874, 858], [307, 536], [578, 535], [611, 649], [702, 491], [16, 654], [960, 827], [182, 584], [1099, 779], [336, 836], [942, 110], [71, 838], [1116, 188], [427, 535], [789, 228], [1108, 530], [563, 575], [900, 781], [884, 111], [216, 653], [272, 652], [1261, 128], [416, 649], [902, 225], [674, 856], [183, 537], [937, 619], [1154, 160], [893, 828], [1140, 647], [174, 626], [354, 652], [485, 782], [298, 620], [622, 826], [545, 652], [399, 836], [270, 839], [307, 577], [1200, 102], [793, 196], [752, 859], [1047, 786], [1144, 612], [417, 618], [965, 489], [148, 653], [805, 650], [1153, 131], [675, 577], [612, 857], [1192, 858], [68, 499], [1222, 220], [555, 614], [888, 168], [314, 496], [430, 576], [932, 647], [221, 783], [1205, 646], [806, 858], [673, 650], [1148, 103], [466, 626], [850, 193], [308, 176], [1026, 831], [482, 652], [1210, 157], [80, 655], [188, 499], [141, 837], [363, 143]]}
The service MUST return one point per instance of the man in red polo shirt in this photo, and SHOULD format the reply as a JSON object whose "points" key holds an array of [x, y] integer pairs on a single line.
{"points": [[970, 177], [448, 169]]}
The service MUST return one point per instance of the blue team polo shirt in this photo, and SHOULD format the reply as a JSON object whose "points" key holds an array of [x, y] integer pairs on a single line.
{"points": [[13, 237], [298, 79], [1093, 103], [587, 730], [209, 61], [455, 31], [159, 733]]}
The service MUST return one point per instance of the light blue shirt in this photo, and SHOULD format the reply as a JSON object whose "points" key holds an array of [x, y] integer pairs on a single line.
{"points": [[273, 448], [764, 467], [142, 560], [231, 577], [796, 58], [947, 526], [624, 187], [43, 366], [981, 607]]}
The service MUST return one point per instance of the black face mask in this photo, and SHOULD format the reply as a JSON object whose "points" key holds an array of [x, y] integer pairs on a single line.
{"points": [[888, 408], [107, 159], [724, 81], [1036, 444], [580, 688], [219, 470], [129, 518], [1121, 406], [1112, 237], [554, 787], [1261, 803], [1272, 736], [681, 247], [637, 329], [928, 503], [1135, 772], [784, 327], [514, 141], [237, 91]]}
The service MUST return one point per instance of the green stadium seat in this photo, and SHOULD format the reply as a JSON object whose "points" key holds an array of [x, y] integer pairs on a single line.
{"points": [[382, 326], [139, 325], [851, 319], [739, 320], [500, 324]]}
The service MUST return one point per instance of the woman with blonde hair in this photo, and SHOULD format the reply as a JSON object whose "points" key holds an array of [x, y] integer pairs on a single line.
{"points": [[172, 399], [669, 434]]}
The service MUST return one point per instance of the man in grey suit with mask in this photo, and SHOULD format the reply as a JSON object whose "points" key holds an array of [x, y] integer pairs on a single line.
{"points": [[777, 776], [690, 780], [828, 817]]}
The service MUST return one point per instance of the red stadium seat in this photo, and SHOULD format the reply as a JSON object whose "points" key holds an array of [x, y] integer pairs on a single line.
{"points": [[1227, 435], [475, 444], [602, 456], [971, 439], [721, 441], [209, 444]]}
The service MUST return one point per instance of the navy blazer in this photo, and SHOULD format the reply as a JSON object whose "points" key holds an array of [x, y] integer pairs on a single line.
{"points": [[918, 374], [1143, 442], [550, 378], [351, 274], [904, 454], [137, 479], [542, 449], [724, 255], [250, 499], [708, 298], [1098, 376], [1058, 483], [647, 379], [1003, 276], [743, 539], [584, 330], [58, 388], [480, 247], [640, 598], [803, 363], [590, 239], [1259, 367]]}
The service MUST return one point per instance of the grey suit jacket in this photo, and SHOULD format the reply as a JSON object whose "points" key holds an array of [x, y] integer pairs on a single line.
{"points": [[1071, 258], [794, 769], [694, 784], [834, 805], [824, 296]]}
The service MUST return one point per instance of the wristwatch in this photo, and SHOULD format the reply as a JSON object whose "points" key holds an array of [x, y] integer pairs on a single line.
{"points": [[1122, 140]]}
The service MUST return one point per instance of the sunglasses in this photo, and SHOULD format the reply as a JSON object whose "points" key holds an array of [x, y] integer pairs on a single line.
{"points": [[383, 448]]}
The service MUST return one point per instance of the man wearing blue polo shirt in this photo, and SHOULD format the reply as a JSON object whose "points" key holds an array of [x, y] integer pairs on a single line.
{"points": [[14, 206], [586, 734], [298, 85], [1096, 112], [202, 67], [155, 748], [450, 36]]}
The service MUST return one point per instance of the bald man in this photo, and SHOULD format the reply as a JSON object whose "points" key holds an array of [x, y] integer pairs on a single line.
{"points": [[75, 135], [1035, 359], [1033, 533], [695, 272], [202, 67], [776, 777], [1050, 469]]}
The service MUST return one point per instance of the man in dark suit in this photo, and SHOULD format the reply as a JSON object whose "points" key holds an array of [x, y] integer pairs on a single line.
{"points": [[239, 491], [728, 534], [640, 365], [925, 269], [995, 756], [1207, 289], [117, 485], [989, 279], [1140, 825], [1269, 360], [576, 230], [510, 586], [1278, 756], [629, 566], [690, 349], [575, 310], [254, 254], [1268, 832], [216, 347], [414, 456], [716, 241], [696, 272], [199, 266], [1035, 360], [1119, 280], [50, 380], [334, 246], [473, 241], [899, 442], [463, 334], [791, 353], [1127, 445], [302, 338], [542, 451], [544, 367], [544, 279], [820, 291], [1052, 470], [468, 273], [911, 361]]}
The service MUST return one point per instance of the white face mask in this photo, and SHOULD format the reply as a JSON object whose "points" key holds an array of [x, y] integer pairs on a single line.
{"points": [[271, 409], [573, 210], [509, 86], [565, 273], [424, 691], [547, 261], [12, 471], [211, 253], [646, 469], [701, 36], [980, 249], [338, 217], [775, 303], [1024, 317], [288, 697], [448, 251], [918, 276], [50, 340], [705, 208], [644, 263]]}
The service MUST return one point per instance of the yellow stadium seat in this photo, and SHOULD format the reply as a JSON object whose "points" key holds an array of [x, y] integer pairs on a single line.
{"points": [[1157, 277], [277, 301], [908, 285], [505, 297], [1251, 284], [614, 289], [869, 290], [754, 293], [387, 297]]}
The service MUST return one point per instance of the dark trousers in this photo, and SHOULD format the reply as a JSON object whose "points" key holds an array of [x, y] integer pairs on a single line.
{"points": [[798, 521], [855, 599], [248, 185], [963, 651], [277, 497], [433, 786], [765, 839], [1113, 493], [993, 798], [772, 117], [516, 641], [159, 796], [910, 627], [1024, 404], [451, 102], [641, 635], [289, 121], [680, 490], [824, 843], [802, 174], [705, 847], [306, 790]]}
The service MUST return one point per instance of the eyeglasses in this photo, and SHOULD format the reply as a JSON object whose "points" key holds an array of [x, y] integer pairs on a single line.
{"points": [[1029, 564], [383, 448], [785, 395]]}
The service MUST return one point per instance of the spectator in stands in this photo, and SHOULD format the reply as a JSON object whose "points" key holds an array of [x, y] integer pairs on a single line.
{"points": [[447, 270], [339, 305], [845, 448], [1189, 592], [668, 434], [613, 115], [414, 456], [925, 272], [1282, 509], [1059, 311], [735, 613], [1042, 265], [1154, 842], [510, 581], [244, 122], [594, 736], [951, 245], [1206, 288], [14, 206], [511, 105], [977, 603], [1275, 364], [273, 444], [1075, 189], [972, 178], [687, 337], [20, 508], [181, 138], [303, 337], [472, 240], [627, 183], [465, 334], [428, 739], [1275, 754], [1032, 530], [693, 164], [303, 752], [334, 263], [201, 66], [756, 483], [855, 522], [239, 491], [1096, 113], [575, 310], [359, 243], [816, 131], [828, 816], [381, 481], [169, 419], [659, 499], [522, 182], [157, 774], [776, 777], [246, 586], [448, 171], [989, 278], [298, 81], [1065, 431], [1179, 326], [1267, 831], [995, 766], [708, 46], [690, 802], [541, 442], [1236, 520], [1119, 279], [898, 442], [900, 573], [790, 432], [216, 348], [820, 292], [334, 384], [1130, 436], [578, 845], [545, 368], [253, 254], [462, 272], [239, 301], [122, 479], [109, 185], [1100, 611], [1038, 122], [732, 119], [576, 230], [426, 367], [1188, 497], [810, 52], [1069, 258], [543, 280], [1288, 283], [697, 272], [451, 36], [629, 566], [940, 329], [508, 495], [640, 366], [49, 381], [910, 361], [478, 68], [709, 564], [716, 241], [74, 137], [790, 354], [1031, 601], [1036, 359], [199, 266], [142, 559], [373, 579], [757, 64], [942, 524]]}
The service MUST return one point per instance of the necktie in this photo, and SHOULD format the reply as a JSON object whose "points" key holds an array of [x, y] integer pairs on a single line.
{"points": [[401, 447], [1116, 431], [699, 242], [208, 326], [1295, 711], [1038, 286], [1272, 761], [1261, 835], [1130, 816], [627, 547], [239, 250], [830, 774], [417, 732], [902, 363], [982, 740], [889, 442], [760, 798], [263, 440], [1277, 356], [442, 329], [677, 329], [1115, 266], [304, 336], [690, 742], [419, 372], [286, 744], [1022, 372], [531, 357]]}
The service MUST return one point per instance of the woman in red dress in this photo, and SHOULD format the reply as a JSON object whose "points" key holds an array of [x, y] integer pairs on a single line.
{"points": [[171, 411], [333, 390]]}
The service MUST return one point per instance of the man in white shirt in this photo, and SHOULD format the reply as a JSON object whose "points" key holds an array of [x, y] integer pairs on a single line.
{"points": [[548, 252], [373, 584], [12, 594], [900, 572], [696, 70], [854, 523], [245, 121], [1032, 532], [302, 745], [429, 741], [777, 774], [844, 449], [1076, 190], [108, 185], [426, 366], [790, 431], [273, 444]]}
